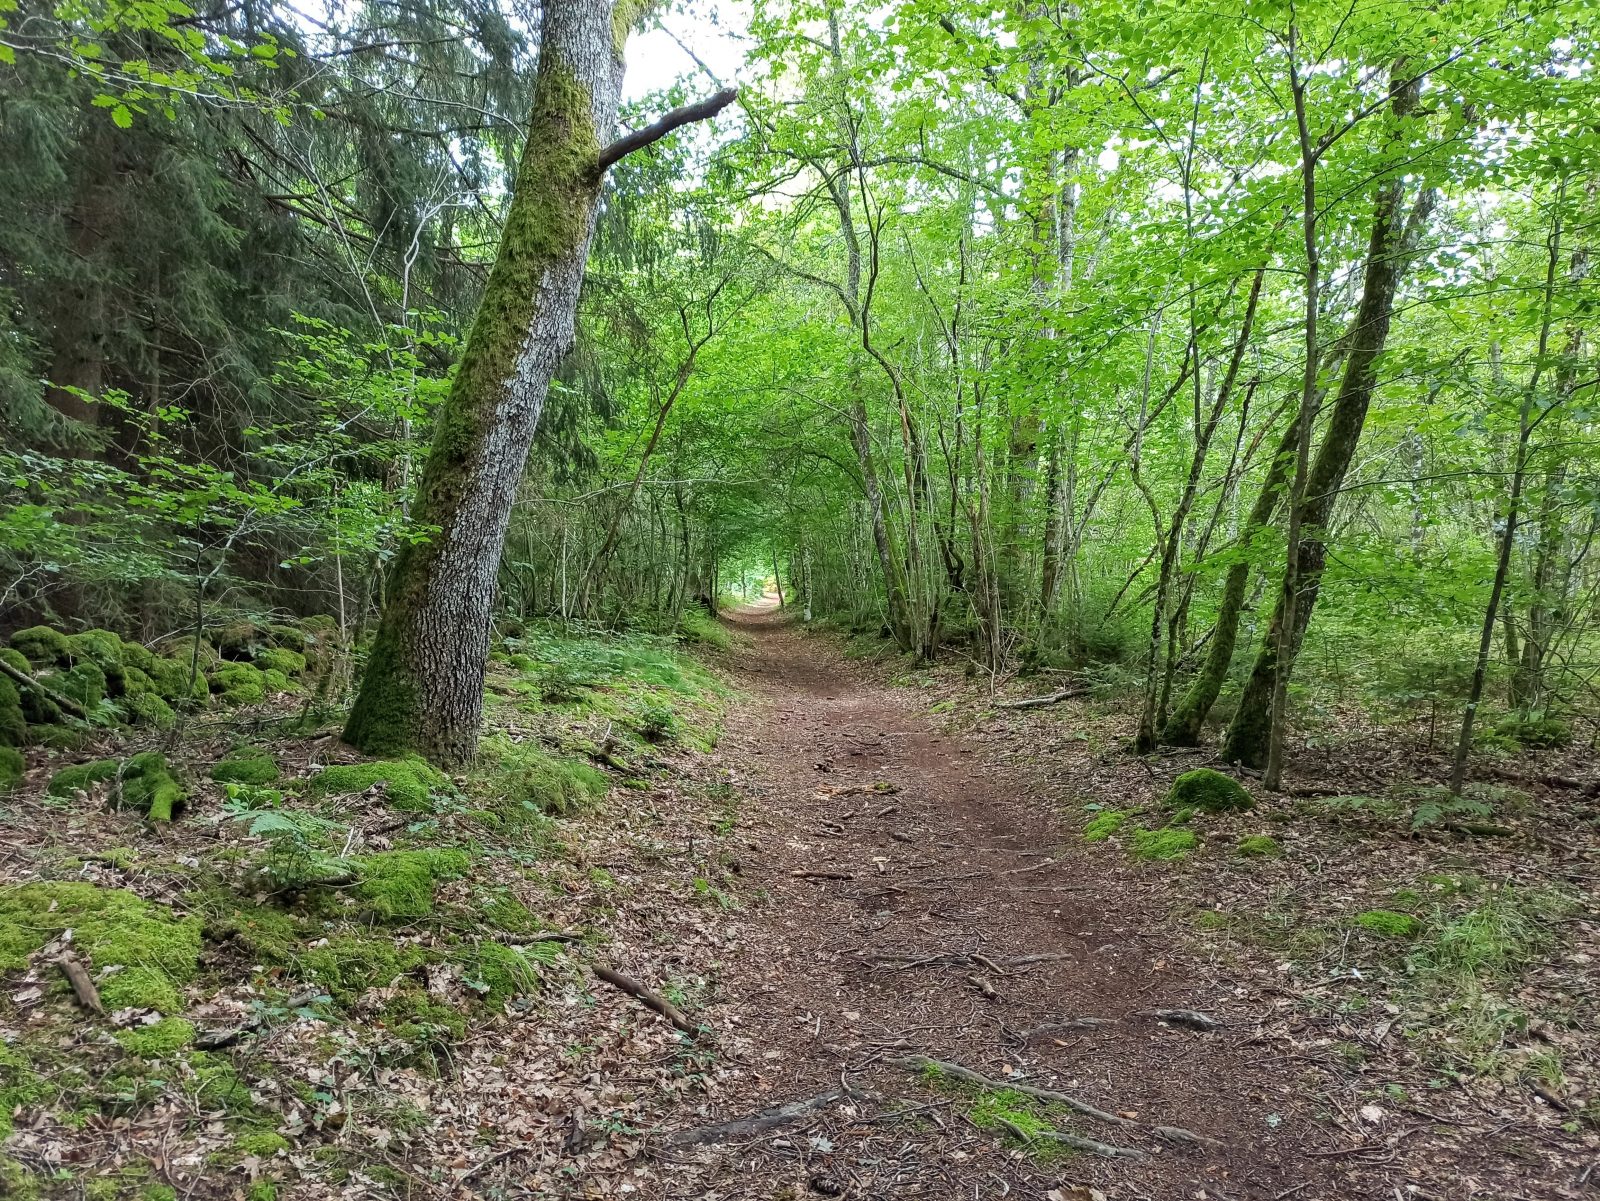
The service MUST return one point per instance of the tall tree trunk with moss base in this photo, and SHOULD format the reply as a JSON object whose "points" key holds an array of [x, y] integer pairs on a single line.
{"points": [[1250, 731], [423, 687]]}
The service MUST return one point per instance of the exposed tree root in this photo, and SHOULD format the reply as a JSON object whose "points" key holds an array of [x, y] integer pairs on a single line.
{"points": [[918, 1063], [1076, 1141], [1191, 1018], [760, 1123]]}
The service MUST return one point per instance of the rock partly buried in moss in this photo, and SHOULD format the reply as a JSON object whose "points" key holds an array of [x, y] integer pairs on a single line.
{"points": [[1208, 791], [153, 950], [81, 777], [43, 646], [523, 782], [246, 765], [158, 1040], [170, 679], [1163, 844], [104, 649], [148, 709], [11, 768], [275, 658], [238, 683], [149, 785], [1104, 824], [1388, 923], [83, 682], [399, 884], [1259, 846], [407, 782], [1536, 731]]}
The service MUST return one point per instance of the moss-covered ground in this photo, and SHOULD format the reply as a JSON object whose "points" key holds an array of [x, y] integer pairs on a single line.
{"points": [[296, 916]]}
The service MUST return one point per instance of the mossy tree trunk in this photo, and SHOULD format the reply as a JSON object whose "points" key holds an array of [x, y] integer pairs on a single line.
{"points": [[423, 688], [1250, 731]]}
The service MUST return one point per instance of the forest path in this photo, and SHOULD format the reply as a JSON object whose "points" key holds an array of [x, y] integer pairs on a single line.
{"points": [[935, 873]]}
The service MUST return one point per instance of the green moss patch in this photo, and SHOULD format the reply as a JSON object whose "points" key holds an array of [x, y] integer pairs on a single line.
{"points": [[246, 765], [1259, 846], [1208, 791], [519, 780], [11, 768], [400, 884], [407, 782], [1388, 923], [81, 777], [350, 964], [149, 785], [157, 1041], [1104, 824], [238, 683], [1163, 844], [289, 663], [111, 927], [42, 645]]}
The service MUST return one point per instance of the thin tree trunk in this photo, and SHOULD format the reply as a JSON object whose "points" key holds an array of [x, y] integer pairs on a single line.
{"points": [[1526, 424]]}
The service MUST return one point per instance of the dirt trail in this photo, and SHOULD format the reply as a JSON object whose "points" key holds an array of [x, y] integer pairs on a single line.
{"points": [[933, 891]]}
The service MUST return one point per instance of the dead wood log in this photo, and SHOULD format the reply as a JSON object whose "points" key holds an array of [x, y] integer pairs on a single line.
{"points": [[1192, 1018], [920, 1063], [65, 703], [983, 986], [761, 1123], [647, 998], [1038, 702], [809, 875], [82, 983]]}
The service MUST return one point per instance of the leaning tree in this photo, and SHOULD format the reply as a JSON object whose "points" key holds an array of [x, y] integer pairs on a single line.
{"points": [[423, 687]]}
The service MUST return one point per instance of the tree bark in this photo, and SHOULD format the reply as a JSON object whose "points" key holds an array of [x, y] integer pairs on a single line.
{"points": [[423, 687]]}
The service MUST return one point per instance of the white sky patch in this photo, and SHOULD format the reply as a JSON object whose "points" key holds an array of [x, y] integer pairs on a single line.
{"points": [[716, 34]]}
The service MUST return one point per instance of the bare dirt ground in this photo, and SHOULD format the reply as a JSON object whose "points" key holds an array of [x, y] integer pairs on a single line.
{"points": [[909, 893]]}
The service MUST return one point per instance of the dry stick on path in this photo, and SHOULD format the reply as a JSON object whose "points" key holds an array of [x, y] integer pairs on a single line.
{"points": [[648, 999], [921, 1063], [1038, 702], [760, 1123]]}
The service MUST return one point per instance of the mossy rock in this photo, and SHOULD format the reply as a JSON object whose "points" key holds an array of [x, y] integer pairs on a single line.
{"points": [[43, 646], [499, 973], [1104, 824], [1387, 923], [240, 639], [246, 765], [148, 709], [155, 950], [170, 680], [1536, 731], [1208, 791], [83, 682], [238, 683], [13, 725], [81, 777], [267, 933], [157, 1041], [1165, 843], [1259, 846], [136, 654], [275, 658], [400, 884], [274, 681], [11, 768], [103, 649], [149, 785], [408, 782], [290, 638]]}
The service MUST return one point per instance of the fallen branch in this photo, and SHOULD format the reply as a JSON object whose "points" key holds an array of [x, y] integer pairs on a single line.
{"points": [[528, 940], [1480, 829], [65, 703], [82, 983], [983, 986], [1038, 702], [919, 1063], [760, 1123], [808, 875], [648, 999], [1048, 1028]]}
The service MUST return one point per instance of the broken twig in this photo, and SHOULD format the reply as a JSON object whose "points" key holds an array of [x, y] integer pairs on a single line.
{"points": [[650, 1000]]}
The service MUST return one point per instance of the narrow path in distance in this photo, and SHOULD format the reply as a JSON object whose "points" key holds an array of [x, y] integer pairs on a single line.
{"points": [[918, 902]]}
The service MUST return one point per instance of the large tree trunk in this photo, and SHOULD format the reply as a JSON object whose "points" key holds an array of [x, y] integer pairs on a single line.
{"points": [[423, 688], [1250, 731]]}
